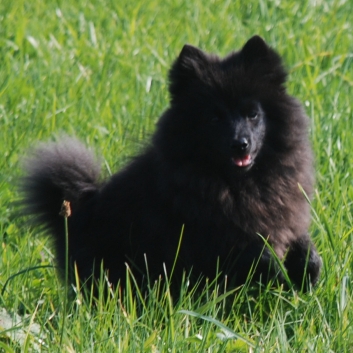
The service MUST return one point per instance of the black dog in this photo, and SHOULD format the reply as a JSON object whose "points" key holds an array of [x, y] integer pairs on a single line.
{"points": [[224, 165]]}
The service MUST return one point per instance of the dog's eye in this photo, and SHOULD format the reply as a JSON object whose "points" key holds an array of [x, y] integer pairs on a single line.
{"points": [[215, 119], [252, 115]]}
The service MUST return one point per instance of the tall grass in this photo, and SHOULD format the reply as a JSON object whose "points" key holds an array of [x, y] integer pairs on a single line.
{"points": [[98, 69]]}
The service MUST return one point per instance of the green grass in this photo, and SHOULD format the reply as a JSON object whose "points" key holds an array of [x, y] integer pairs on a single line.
{"points": [[98, 69]]}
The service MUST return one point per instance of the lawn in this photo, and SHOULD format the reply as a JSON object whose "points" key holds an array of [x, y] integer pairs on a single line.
{"points": [[97, 69]]}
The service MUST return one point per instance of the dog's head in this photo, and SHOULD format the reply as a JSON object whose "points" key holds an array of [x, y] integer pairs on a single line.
{"points": [[218, 116]]}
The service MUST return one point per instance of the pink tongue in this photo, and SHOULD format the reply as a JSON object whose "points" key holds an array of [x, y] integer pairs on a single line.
{"points": [[242, 162]]}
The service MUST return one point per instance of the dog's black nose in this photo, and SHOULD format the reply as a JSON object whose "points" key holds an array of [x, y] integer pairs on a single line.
{"points": [[241, 144]]}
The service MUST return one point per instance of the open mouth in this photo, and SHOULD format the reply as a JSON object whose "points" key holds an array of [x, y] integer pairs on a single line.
{"points": [[243, 161]]}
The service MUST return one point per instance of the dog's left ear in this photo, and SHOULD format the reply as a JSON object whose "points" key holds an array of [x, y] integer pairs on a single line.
{"points": [[254, 49], [261, 60]]}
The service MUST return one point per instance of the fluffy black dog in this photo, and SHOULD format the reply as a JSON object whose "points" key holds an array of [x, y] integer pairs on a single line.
{"points": [[223, 166]]}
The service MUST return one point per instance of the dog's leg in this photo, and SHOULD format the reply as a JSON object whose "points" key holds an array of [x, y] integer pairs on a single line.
{"points": [[303, 263]]}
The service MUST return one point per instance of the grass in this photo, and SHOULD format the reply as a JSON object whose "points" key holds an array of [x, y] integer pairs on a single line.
{"points": [[97, 69]]}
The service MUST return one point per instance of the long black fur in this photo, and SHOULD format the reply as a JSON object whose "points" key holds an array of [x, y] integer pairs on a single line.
{"points": [[193, 176]]}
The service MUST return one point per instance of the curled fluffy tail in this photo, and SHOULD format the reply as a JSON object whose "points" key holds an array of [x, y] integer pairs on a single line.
{"points": [[57, 172]]}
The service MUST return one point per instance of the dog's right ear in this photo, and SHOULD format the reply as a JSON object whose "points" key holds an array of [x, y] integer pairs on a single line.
{"points": [[190, 65], [192, 60]]}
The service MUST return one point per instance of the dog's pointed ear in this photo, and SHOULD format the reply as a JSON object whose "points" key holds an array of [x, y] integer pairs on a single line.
{"points": [[262, 61], [255, 49], [191, 60], [190, 65]]}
